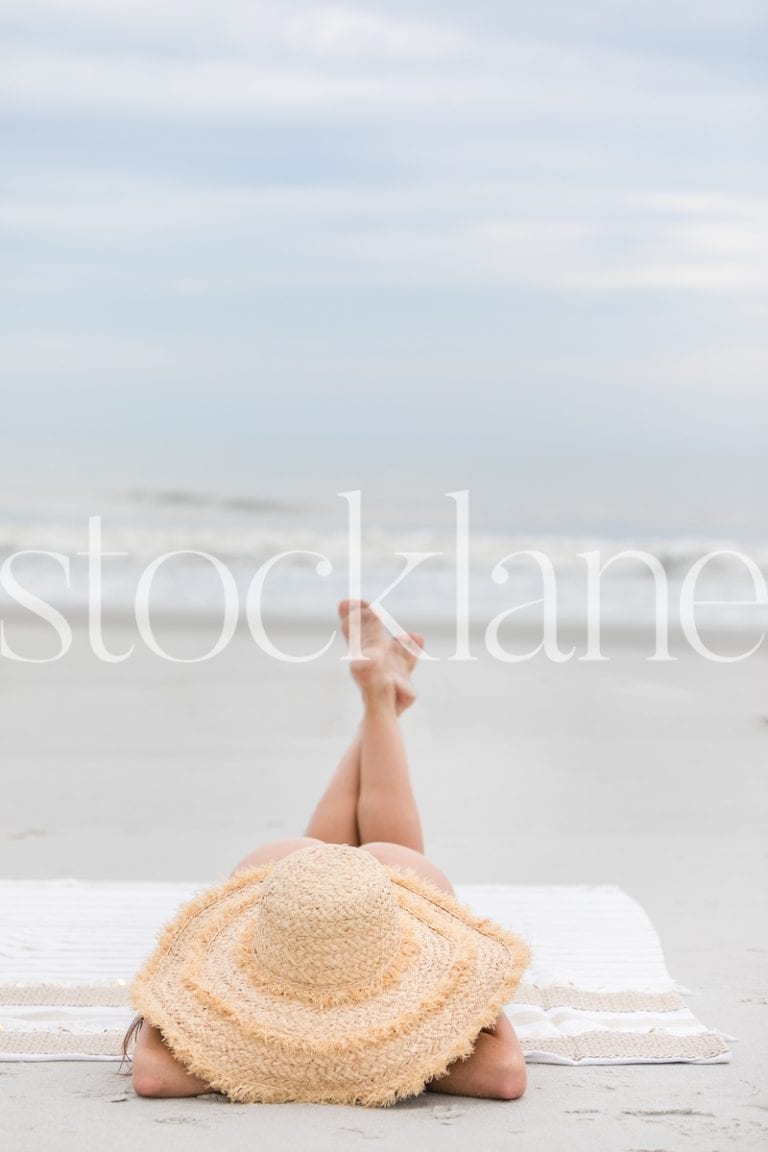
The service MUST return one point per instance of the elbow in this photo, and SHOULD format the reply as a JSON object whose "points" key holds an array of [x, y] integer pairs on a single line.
{"points": [[163, 1077], [512, 1081], [147, 1085], [147, 1082], [148, 1079]]}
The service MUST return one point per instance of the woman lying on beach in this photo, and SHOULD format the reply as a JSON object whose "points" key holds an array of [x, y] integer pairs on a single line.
{"points": [[338, 966]]}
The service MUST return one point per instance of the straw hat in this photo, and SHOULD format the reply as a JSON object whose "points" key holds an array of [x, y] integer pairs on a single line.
{"points": [[326, 977]]}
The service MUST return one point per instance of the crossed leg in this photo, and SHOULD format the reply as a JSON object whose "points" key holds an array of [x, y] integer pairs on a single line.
{"points": [[369, 801]]}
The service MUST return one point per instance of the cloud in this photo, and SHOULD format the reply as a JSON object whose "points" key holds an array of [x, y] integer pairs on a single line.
{"points": [[449, 203], [240, 28], [353, 31], [492, 234], [341, 61], [147, 86]]}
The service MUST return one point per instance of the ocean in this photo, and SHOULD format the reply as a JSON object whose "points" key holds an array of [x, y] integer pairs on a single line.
{"points": [[310, 548]]}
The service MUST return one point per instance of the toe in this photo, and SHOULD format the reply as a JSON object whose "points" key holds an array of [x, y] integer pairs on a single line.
{"points": [[347, 606], [410, 642]]}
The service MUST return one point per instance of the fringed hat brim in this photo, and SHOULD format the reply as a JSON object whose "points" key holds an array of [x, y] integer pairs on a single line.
{"points": [[255, 1041]]}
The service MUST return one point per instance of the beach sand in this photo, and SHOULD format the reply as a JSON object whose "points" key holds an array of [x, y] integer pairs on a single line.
{"points": [[651, 776]]}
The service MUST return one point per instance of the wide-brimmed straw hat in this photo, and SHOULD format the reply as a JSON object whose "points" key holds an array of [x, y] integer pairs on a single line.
{"points": [[326, 977]]}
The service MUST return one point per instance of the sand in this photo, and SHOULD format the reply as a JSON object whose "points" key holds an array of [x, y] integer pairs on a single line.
{"points": [[651, 776]]}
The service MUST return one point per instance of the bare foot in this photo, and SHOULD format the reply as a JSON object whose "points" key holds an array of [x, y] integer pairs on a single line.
{"points": [[403, 662], [387, 662]]}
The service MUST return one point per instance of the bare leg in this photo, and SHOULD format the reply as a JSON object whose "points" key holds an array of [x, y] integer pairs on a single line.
{"points": [[386, 806], [335, 819]]}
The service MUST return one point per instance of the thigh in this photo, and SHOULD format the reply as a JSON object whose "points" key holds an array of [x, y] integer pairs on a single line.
{"points": [[408, 858], [275, 850]]}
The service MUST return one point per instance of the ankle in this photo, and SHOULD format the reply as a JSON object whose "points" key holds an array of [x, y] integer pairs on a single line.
{"points": [[379, 695]]}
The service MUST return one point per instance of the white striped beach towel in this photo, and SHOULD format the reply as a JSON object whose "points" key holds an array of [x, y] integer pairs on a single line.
{"points": [[597, 990]]}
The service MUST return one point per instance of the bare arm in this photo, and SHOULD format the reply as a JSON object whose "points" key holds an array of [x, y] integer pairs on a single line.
{"points": [[156, 1072], [495, 1070]]}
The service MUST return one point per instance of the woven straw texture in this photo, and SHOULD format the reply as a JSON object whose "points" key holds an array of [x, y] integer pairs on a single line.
{"points": [[327, 977]]}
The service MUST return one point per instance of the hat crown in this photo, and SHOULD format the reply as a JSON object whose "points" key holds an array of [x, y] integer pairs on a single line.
{"points": [[328, 920]]}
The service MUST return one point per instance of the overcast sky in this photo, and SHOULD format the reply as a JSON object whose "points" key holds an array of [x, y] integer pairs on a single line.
{"points": [[263, 247]]}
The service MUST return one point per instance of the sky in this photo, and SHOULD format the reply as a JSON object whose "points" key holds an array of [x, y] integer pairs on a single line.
{"points": [[287, 249]]}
